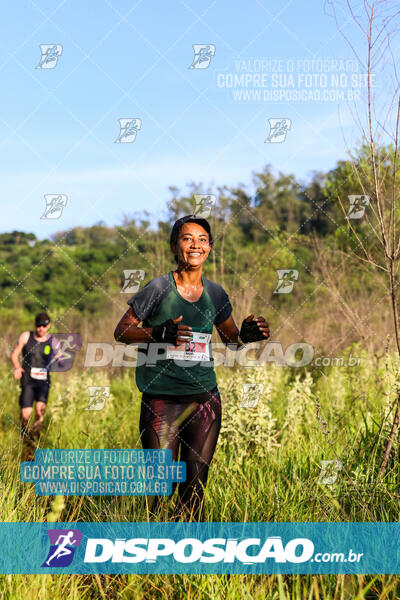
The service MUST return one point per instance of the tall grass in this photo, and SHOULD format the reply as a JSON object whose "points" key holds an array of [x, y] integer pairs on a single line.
{"points": [[266, 468]]}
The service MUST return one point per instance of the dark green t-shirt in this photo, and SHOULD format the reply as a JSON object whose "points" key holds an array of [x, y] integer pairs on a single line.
{"points": [[160, 300]]}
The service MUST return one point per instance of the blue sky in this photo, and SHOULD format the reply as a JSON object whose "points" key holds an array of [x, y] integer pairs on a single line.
{"points": [[131, 60]]}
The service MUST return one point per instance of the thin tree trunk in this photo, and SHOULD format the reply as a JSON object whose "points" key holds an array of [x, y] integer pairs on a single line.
{"points": [[214, 265], [222, 259], [395, 425]]}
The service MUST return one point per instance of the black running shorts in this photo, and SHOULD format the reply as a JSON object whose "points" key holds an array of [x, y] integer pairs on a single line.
{"points": [[30, 392]]}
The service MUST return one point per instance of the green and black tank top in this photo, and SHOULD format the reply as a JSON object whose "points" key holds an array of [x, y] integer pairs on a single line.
{"points": [[160, 300], [35, 354]]}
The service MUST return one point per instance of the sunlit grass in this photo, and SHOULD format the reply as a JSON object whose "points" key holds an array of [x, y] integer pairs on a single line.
{"points": [[266, 468]]}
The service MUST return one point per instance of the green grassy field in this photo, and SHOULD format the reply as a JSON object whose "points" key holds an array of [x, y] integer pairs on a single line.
{"points": [[266, 468]]}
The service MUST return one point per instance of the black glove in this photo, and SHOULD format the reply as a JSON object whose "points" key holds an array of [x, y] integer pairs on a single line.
{"points": [[250, 332], [166, 332]]}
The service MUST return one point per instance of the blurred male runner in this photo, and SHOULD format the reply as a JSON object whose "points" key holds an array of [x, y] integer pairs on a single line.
{"points": [[38, 349], [181, 404]]}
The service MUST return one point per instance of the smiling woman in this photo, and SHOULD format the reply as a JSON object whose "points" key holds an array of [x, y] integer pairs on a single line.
{"points": [[181, 404], [191, 239]]}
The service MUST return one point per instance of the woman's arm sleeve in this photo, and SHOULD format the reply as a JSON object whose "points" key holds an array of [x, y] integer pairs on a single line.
{"points": [[146, 300], [224, 307]]}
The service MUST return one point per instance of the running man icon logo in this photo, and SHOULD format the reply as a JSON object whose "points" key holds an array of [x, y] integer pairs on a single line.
{"points": [[251, 394], [98, 395], [203, 205], [202, 56], [358, 204], [132, 280], [54, 206], [128, 130], [278, 129], [208, 315], [63, 543], [329, 471], [286, 279], [50, 55], [65, 346]]}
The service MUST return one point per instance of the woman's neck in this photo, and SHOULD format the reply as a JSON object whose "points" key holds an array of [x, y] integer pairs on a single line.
{"points": [[188, 278]]}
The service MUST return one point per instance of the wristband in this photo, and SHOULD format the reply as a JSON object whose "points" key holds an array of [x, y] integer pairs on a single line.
{"points": [[250, 332], [166, 332]]}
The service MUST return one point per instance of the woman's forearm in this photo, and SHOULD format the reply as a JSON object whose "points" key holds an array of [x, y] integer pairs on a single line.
{"points": [[129, 334], [231, 338]]}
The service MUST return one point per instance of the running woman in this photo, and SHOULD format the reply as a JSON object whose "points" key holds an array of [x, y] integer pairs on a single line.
{"points": [[38, 347], [181, 404]]}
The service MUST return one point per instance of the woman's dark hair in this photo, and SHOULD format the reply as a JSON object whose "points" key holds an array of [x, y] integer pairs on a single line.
{"points": [[189, 219]]}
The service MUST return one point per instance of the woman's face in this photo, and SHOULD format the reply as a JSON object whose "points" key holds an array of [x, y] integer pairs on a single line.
{"points": [[193, 246]]}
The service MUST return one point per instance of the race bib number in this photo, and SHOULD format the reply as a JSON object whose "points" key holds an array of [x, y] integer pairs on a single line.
{"points": [[196, 349], [37, 373]]}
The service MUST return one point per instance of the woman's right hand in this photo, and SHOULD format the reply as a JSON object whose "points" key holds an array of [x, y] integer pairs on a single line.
{"points": [[184, 332], [172, 332]]}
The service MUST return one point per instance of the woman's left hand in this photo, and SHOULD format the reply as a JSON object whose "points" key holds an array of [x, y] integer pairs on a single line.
{"points": [[249, 332], [263, 326]]}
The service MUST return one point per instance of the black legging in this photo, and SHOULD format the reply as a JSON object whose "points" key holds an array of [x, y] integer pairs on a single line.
{"points": [[177, 421]]}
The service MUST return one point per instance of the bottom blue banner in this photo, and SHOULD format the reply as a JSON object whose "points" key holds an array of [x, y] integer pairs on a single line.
{"points": [[242, 548]]}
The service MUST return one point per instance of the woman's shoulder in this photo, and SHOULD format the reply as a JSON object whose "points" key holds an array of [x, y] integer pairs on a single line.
{"points": [[145, 301], [220, 299], [159, 282], [216, 288], [156, 287]]}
